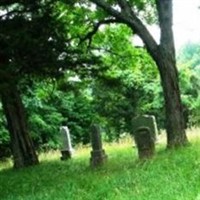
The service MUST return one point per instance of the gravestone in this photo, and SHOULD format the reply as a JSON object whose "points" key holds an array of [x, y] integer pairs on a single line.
{"points": [[66, 148], [145, 142], [145, 121], [98, 156]]}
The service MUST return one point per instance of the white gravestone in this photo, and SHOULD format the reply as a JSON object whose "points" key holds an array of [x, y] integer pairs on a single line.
{"points": [[66, 147]]}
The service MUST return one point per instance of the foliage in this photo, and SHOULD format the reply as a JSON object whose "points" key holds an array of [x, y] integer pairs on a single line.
{"points": [[129, 86], [112, 96], [50, 105], [44, 41], [4, 137], [189, 65], [188, 55]]}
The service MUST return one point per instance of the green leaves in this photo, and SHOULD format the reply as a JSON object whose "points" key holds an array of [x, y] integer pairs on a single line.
{"points": [[188, 61], [128, 86]]}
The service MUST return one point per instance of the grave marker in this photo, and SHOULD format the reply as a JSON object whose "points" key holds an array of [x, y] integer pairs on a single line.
{"points": [[98, 156], [146, 121], [66, 148], [145, 142]]}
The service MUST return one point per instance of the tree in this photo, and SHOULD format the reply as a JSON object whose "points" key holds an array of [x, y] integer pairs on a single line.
{"points": [[22, 146], [16, 54], [126, 12], [189, 55], [35, 43]]}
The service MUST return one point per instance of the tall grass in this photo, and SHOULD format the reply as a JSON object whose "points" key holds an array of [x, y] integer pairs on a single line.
{"points": [[170, 175]]}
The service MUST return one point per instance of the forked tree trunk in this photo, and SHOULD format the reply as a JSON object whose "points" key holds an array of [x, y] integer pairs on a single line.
{"points": [[21, 143], [164, 56]]}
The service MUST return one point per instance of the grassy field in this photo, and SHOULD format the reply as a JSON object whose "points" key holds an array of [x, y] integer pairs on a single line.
{"points": [[170, 175]]}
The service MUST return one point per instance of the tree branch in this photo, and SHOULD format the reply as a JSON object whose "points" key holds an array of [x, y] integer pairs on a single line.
{"points": [[125, 7], [127, 16], [9, 2], [96, 26]]}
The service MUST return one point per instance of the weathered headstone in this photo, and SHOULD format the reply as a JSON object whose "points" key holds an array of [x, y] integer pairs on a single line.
{"points": [[66, 148], [145, 121], [98, 156], [145, 142]]}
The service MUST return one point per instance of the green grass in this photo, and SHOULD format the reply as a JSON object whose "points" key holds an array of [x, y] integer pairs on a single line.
{"points": [[170, 175]]}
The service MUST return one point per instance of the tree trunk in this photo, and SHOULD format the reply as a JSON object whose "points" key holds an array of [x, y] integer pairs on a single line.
{"points": [[176, 135], [166, 62], [21, 143]]}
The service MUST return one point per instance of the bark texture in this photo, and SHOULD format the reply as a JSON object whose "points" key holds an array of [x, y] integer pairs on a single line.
{"points": [[176, 135], [166, 62], [21, 143]]}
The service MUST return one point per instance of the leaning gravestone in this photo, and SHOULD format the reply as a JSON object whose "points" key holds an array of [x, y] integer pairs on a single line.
{"points": [[98, 156], [66, 148], [145, 121], [145, 142]]}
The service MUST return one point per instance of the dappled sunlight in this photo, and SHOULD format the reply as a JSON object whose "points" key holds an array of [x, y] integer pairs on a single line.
{"points": [[6, 164], [123, 147], [123, 175], [193, 134], [50, 155]]}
